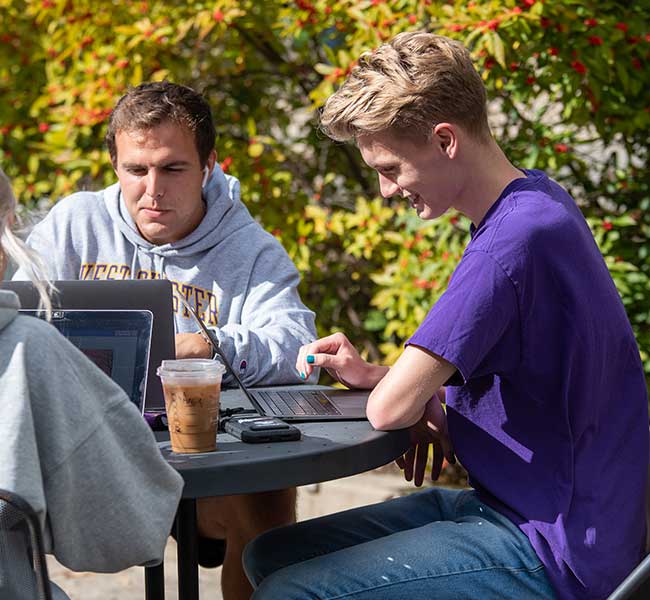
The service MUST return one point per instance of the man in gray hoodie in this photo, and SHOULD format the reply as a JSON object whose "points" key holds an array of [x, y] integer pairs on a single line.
{"points": [[174, 214]]}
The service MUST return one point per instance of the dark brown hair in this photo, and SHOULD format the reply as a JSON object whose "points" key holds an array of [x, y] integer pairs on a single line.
{"points": [[150, 104]]}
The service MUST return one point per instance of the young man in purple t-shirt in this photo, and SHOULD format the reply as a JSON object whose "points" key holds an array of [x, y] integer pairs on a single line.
{"points": [[545, 391]]}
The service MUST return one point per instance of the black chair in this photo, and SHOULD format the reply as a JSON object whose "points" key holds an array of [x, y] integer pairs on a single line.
{"points": [[636, 586], [23, 570]]}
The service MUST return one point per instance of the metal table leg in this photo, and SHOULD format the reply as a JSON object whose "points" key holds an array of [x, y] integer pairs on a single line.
{"points": [[154, 582], [188, 566]]}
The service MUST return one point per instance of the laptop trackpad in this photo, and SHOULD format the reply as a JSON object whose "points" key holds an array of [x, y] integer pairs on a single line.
{"points": [[349, 401]]}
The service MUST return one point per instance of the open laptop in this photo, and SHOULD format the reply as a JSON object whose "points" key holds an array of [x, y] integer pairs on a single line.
{"points": [[117, 341], [295, 402], [129, 294]]}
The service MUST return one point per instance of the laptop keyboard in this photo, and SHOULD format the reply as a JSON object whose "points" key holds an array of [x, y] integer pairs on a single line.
{"points": [[298, 403]]}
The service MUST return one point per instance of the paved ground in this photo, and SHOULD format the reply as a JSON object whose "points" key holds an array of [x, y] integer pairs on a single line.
{"points": [[313, 501]]}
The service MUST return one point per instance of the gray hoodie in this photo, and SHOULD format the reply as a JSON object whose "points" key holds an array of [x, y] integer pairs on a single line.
{"points": [[77, 449], [238, 276]]}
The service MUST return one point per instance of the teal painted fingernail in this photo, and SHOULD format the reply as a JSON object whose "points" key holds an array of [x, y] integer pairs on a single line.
{"points": [[310, 359], [302, 375]]}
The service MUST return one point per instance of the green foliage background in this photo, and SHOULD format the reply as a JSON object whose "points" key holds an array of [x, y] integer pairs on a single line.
{"points": [[568, 82]]}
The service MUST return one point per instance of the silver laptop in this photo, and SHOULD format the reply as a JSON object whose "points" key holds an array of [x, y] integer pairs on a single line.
{"points": [[129, 294], [117, 341], [295, 402]]}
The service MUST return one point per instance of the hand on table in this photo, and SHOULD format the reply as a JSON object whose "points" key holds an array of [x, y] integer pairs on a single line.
{"points": [[341, 360], [192, 345], [430, 430]]}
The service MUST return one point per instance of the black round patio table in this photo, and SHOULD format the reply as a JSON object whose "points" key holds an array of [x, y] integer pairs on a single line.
{"points": [[327, 450]]}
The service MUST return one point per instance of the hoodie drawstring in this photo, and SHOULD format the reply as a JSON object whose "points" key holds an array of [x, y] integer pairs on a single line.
{"points": [[134, 260]]}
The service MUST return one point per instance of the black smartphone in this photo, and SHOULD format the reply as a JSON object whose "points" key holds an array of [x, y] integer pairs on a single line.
{"points": [[258, 430]]}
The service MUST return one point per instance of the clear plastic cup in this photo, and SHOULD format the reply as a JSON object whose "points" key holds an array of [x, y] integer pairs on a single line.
{"points": [[192, 389]]}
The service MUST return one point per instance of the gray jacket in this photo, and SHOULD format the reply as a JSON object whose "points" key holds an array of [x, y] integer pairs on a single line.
{"points": [[79, 452]]}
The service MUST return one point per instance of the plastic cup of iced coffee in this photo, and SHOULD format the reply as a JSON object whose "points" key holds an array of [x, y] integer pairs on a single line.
{"points": [[192, 389]]}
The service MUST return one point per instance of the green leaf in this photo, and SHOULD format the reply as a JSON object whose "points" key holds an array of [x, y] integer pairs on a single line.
{"points": [[499, 50]]}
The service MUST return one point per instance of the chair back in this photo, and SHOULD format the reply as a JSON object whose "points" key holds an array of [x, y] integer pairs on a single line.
{"points": [[647, 512], [23, 570], [636, 586]]}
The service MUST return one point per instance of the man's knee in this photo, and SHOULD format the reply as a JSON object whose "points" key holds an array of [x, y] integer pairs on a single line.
{"points": [[265, 510], [248, 514]]}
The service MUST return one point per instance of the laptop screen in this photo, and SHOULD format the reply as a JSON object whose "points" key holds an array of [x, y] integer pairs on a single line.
{"points": [[154, 295], [117, 341]]}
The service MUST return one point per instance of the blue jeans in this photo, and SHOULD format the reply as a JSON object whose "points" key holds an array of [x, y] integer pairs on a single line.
{"points": [[440, 543]]}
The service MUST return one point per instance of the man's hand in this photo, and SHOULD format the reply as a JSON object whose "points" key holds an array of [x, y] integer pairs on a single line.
{"points": [[192, 345], [339, 357], [431, 429]]}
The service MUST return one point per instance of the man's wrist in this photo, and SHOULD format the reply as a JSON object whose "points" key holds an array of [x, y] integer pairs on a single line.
{"points": [[206, 341], [208, 344], [375, 374]]}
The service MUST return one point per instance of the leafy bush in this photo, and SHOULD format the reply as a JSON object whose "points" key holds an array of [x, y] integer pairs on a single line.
{"points": [[567, 80]]}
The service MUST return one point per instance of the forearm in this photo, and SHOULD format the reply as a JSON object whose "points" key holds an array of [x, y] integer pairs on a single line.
{"points": [[386, 411], [399, 399]]}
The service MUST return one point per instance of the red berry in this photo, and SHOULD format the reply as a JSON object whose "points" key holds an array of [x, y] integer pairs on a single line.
{"points": [[43, 127], [622, 26], [579, 67], [226, 163], [217, 15], [595, 40], [590, 22], [561, 148]]}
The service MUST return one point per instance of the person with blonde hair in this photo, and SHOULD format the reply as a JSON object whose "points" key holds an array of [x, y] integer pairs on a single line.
{"points": [[74, 446], [529, 347]]}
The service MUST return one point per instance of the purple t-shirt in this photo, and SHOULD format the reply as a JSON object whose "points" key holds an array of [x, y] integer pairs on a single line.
{"points": [[548, 410]]}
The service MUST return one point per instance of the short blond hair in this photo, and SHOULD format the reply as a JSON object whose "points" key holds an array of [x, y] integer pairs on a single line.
{"points": [[15, 249], [407, 86]]}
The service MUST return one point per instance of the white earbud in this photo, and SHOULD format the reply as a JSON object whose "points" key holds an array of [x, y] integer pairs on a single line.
{"points": [[206, 174]]}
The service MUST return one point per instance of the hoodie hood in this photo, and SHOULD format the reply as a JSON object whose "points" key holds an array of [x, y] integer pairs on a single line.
{"points": [[9, 305], [225, 214]]}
